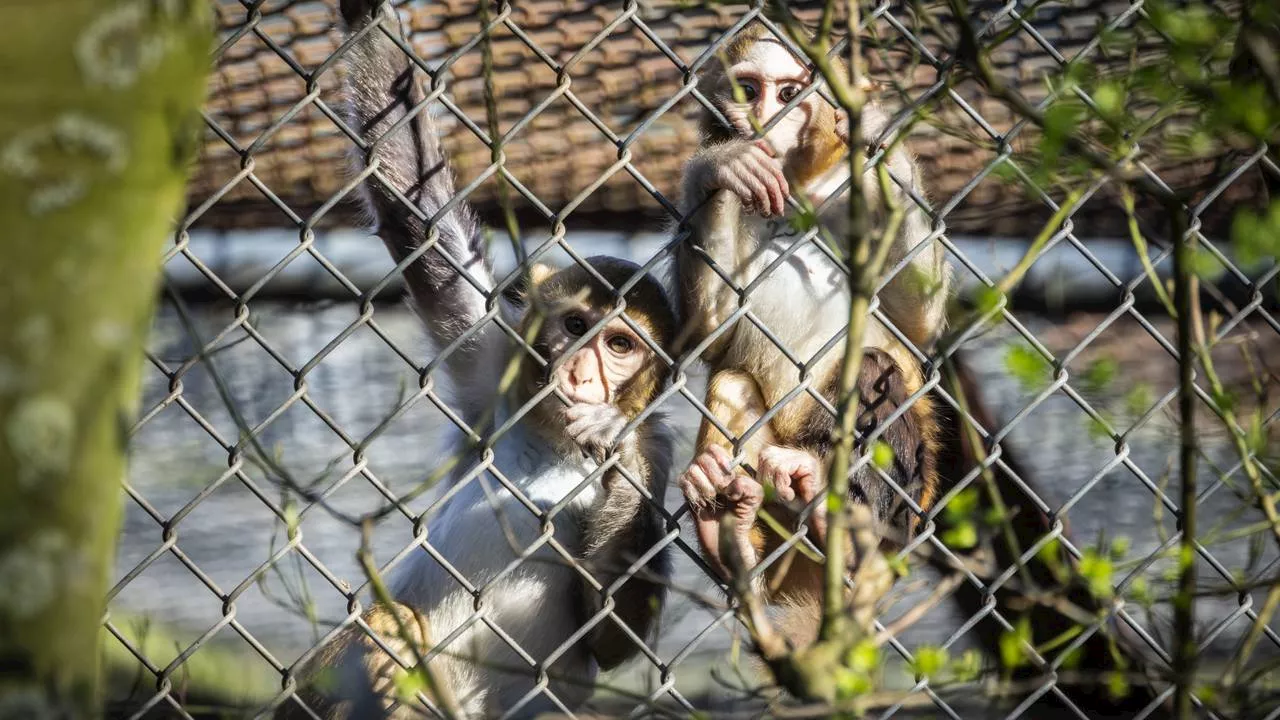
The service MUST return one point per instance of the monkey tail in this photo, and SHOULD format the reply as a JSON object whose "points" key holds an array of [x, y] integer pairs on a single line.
{"points": [[408, 188], [408, 161]]}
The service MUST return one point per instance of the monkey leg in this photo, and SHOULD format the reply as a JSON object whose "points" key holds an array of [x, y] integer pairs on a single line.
{"points": [[352, 676], [711, 486], [735, 400], [884, 387]]}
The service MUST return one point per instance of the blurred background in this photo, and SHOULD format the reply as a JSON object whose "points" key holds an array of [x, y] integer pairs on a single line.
{"points": [[281, 308]]}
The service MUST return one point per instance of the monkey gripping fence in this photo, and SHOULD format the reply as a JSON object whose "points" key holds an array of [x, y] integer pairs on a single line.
{"points": [[669, 666]]}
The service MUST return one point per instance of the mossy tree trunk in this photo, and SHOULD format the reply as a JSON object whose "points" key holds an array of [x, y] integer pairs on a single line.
{"points": [[99, 122]]}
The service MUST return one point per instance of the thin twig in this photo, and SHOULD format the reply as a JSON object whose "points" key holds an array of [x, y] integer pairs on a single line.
{"points": [[1185, 297], [440, 691]]}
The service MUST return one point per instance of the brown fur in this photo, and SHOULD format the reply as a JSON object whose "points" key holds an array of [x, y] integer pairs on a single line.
{"points": [[820, 149], [735, 400], [448, 273], [331, 696], [888, 376], [647, 306]]}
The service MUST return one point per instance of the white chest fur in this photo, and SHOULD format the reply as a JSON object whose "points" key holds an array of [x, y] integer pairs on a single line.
{"points": [[497, 516], [497, 537], [547, 477], [800, 294]]}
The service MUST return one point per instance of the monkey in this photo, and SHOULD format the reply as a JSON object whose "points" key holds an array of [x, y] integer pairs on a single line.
{"points": [[549, 524], [734, 193]]}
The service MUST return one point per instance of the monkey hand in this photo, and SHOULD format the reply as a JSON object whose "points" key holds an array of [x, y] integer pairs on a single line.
{"points": [[594, 427], [795, 475], [748, 170], [715, 491]]}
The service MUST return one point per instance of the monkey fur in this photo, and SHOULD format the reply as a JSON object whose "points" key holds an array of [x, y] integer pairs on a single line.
{"points": [[731, 193], [490, 529]]}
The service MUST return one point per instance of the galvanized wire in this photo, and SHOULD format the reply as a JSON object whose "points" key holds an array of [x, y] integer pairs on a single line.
{"points": [[250, 465]]}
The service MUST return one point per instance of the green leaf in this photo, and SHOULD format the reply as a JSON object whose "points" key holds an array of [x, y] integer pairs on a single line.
{"points": [[930, 660], [1110, 99], [987, 300], [1051, 556], [802, 221], [1138, 400], [1060, 121], [961, 537], [994, 516], [1097, 572], [1011, 642], [963, 505], [850, 684], [1206, 266], [882, 455], [409, 683], [1098, 429], [1140, 592], [1098, 376], [1078, 72], [770, 493], [1120, 547], [1028, 366], [834, 503], [864, 657], [1225, 399], [1255, 237], [968, 666], [1007, 173], [1117, 685]]}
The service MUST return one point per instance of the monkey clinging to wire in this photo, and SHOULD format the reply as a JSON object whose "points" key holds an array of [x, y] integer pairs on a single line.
{"points": [[741, 252], [544, 561]]}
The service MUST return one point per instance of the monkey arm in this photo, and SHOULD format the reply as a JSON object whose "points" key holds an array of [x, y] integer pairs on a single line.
{"points": [[450, 282], [622, 527], [721, 184], [915, 298]]}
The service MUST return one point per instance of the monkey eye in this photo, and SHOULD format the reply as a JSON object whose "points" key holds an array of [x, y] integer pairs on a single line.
{"points": [[575, 325], [748, 88], [787, 93], [621, 344]]}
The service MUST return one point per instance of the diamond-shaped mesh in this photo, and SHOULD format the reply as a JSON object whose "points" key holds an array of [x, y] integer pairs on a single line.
{"points": [[277, 441]]}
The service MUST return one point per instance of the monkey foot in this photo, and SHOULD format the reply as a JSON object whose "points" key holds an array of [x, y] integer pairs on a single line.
{"points": [[714, 491], [795, 475]]}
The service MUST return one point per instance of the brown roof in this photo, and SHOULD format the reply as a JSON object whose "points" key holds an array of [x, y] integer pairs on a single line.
{"points": [[272, 96]]}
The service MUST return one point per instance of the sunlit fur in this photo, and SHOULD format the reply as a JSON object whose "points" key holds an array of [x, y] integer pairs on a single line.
{"points": [[804, 301], [483, 530]]}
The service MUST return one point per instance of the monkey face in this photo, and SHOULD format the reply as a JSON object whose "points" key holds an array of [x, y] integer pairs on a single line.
{"points": [[616, 365], [769, 77], [597, 371]]}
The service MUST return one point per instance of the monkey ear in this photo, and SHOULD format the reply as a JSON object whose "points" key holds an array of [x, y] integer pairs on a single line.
{"points": [[539, 273]]}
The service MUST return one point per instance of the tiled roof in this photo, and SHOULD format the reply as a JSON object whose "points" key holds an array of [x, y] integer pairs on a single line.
{"points": [[273, 94]]}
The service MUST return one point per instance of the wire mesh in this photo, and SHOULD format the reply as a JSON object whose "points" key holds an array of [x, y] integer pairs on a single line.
{"points": [[593, 120]]}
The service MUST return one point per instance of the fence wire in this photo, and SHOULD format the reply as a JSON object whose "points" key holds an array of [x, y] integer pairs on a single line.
{"points": [[668, 677]]}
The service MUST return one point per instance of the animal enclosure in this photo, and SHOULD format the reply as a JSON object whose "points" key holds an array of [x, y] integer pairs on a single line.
{"points": [[286, 441]]}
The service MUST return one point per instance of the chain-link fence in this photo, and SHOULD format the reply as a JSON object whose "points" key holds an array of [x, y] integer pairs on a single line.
{"points": [[283, 453]]}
